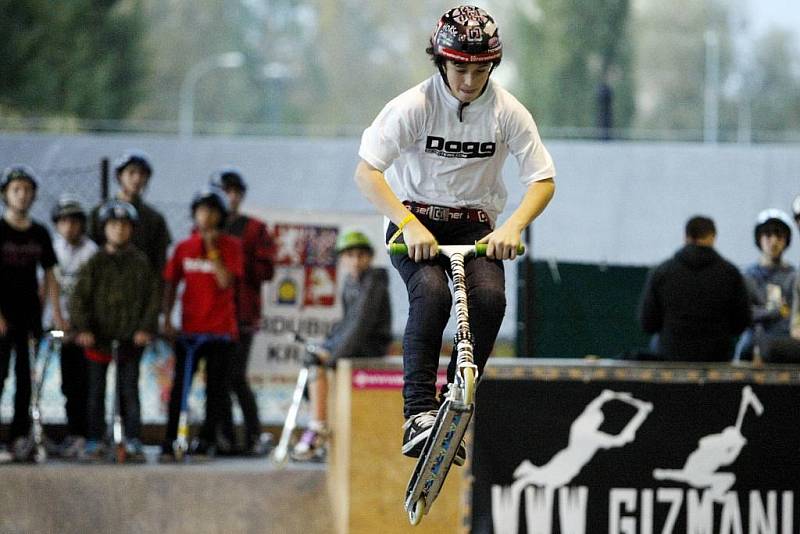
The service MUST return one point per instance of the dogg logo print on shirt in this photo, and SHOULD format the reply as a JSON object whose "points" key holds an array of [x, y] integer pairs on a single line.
{"points": [[637, 459]]}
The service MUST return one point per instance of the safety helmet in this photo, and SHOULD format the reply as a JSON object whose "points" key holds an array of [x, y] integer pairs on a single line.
{"points": [[467, 34], [211, 196], [772, 218], [796, 207], [133, 157], [228, 177], [18, 172], [117, 210], [67, 206], [353, 239]]}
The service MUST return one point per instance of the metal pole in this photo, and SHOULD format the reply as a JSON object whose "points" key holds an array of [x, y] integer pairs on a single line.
{"points": [[525, 300], [711, 97], [104, 166]]}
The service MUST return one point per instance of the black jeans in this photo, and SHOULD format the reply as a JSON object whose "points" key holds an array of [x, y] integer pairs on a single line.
{"points": [[18, 341], [430, 301], [240, 387], [127, 387], [75, 387], [217, 354]]}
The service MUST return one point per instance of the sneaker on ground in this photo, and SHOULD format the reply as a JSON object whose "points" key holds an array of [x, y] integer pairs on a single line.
{"points": [[72, 446], [135, 448], [312, 445], [94, 448], [261, 445], [5, 456]]}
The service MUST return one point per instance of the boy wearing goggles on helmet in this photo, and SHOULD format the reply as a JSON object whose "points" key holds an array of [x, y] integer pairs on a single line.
{"points": [[431, 163]]}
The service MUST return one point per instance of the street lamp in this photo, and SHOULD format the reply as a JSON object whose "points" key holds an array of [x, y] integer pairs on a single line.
{"points": [[228, 60]]}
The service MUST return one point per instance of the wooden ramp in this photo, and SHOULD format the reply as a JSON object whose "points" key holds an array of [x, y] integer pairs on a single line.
{"points": [[230, 496], [368, 474]]}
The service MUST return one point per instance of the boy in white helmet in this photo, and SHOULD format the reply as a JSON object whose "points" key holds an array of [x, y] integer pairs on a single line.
{"points": [[431, 163], [770, 284]]}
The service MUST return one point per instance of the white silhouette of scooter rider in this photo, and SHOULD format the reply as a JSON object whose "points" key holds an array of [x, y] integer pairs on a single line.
{"points": [[715, 451], [585, 439]]}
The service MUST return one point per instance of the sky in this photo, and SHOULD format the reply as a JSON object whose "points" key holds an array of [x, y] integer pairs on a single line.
{"points": [[771, 13]]}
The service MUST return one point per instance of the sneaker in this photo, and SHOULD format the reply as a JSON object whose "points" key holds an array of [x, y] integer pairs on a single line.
{"points": [[261, 445], [135, 449], [417, 429], [94, 449], [72, 447], [5, 456], [201, 448], [312, 445]]}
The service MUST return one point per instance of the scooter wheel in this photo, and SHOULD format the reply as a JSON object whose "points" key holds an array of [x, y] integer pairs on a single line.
{"points": [[469, 385], [416, 512], [40, 454]]}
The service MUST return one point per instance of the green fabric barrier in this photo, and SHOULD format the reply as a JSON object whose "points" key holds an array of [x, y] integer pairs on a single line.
{"points": [[581, 309]]}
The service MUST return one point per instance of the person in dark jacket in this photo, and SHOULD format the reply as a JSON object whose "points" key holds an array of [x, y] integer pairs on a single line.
{"points": [[696, 302], [258, 268], [116, 298], [151, 234], [363, 332]]}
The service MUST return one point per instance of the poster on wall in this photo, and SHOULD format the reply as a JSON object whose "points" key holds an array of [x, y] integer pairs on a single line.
{"points": [[636, 458]]}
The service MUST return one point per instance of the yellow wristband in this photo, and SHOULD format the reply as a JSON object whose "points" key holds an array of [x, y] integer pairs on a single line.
{"points": [[407, 219]]}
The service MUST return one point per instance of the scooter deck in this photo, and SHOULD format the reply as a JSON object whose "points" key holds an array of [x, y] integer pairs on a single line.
{"points": [[437, 456]]}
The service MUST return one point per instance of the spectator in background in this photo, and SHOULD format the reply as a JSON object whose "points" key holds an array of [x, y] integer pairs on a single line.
{"points": [[208, 262], [795, 316], [25, 246], [770, 285], [363, 332], [73, 249], [258, 268], [116, 298], [696, 301], [151, 234]]}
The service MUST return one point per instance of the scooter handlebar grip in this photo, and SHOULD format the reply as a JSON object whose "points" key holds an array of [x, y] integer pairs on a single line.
{"points": [[396, 249], [480, 249]]}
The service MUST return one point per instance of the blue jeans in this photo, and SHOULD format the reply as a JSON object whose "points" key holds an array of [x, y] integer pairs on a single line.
{"points": [[430, 302]]}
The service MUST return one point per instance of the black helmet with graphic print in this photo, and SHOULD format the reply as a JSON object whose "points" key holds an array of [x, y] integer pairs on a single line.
{"points": [[18, 172], [117, 210], [133, 157], [466, 34], [228, 177]]}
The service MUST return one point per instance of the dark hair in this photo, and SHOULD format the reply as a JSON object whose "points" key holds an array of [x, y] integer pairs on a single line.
{"points": [[699, 227]]}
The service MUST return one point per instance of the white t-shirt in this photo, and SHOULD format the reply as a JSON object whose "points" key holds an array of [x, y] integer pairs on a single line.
{"points": [[70, 260], [428, 154]]}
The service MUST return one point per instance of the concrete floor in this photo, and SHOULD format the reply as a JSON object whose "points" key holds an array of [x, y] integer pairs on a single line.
{"points": [[225, 495]]}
